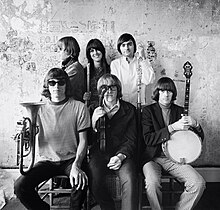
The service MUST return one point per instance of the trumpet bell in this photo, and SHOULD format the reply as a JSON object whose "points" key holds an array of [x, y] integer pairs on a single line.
{"points": [[32, 109]]}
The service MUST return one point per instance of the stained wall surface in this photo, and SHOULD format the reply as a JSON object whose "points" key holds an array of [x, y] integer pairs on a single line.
{"points": [[181, 31]]}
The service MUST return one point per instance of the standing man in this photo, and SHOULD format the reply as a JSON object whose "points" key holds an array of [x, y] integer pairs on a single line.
{"points": [[62, 143], [159, 121], [131, 69], [118, 154], [69, 54]]}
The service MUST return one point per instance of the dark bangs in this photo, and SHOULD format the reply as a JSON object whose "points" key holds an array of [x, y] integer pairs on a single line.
{"points": [[164, 83], [55, 73], [95, 44]]}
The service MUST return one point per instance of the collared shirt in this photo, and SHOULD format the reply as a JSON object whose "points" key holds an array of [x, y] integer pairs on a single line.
{"points": [[111, 111], [127, 73]]}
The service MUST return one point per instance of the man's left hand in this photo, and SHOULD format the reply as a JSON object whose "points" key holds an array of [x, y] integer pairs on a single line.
{"points": [[78, 178]]}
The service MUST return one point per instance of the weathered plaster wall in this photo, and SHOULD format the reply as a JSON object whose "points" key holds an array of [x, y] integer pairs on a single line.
{"points": [[181, 29]]}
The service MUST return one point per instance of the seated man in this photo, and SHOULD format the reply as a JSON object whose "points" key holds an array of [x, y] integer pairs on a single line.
{"points": [[62, 142], [159, 121], [117, 153]]}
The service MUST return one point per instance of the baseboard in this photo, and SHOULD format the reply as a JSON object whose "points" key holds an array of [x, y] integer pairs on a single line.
{"points": [[210, 174]]}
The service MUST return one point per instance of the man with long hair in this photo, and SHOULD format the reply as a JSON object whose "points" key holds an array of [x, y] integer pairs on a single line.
{"points": [[62, 142]]}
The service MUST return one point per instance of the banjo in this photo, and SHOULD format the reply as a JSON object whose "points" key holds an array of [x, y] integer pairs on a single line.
{"points": [[184, 146]]}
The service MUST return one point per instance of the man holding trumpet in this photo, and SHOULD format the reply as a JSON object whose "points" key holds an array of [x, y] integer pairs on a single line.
{"points": [[62, 143]]}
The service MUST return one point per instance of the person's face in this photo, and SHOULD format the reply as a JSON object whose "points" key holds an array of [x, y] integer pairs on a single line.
{"points": [[57, 88], [63, 53], [110, 95], [96, 55], [127, 49], [165, 97]]}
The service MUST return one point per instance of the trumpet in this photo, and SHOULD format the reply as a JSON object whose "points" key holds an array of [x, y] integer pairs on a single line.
{"points": [[26, 138]]}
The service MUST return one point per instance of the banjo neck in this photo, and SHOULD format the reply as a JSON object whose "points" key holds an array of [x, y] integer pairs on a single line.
{"points": [[188, 73]]}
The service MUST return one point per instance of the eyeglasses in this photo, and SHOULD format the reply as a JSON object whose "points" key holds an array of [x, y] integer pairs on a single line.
{"points": [[59, 82], [109, 87]]}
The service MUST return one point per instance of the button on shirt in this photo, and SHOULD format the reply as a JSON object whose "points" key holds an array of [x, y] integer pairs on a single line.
{"points": [[127, 74]]}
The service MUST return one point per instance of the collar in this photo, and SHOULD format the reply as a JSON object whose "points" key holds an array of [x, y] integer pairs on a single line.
{"points": [[60, 102], [111, 111], [68, 61], [126, 60]]}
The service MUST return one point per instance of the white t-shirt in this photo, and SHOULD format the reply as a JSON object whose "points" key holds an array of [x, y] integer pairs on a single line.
{"points": [[127, 74], [59, 126]]}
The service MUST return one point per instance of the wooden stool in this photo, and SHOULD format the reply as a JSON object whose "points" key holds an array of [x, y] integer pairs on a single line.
{"points": [[52, 191], [168, 192]]}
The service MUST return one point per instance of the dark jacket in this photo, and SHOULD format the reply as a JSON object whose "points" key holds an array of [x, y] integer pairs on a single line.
{"points": [[154, 130], [121, 132], [75, 72]]}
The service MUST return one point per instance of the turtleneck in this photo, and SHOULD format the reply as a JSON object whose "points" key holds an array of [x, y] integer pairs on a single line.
{"points": [[166, 113], [68, 61]]}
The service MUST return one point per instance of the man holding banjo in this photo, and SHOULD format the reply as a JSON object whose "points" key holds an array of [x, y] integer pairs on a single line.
{"points": [[160, 121]]}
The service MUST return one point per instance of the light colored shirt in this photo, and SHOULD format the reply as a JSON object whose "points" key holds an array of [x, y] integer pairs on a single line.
{"points": [[113, 110], [127, 73], [59, 127]]}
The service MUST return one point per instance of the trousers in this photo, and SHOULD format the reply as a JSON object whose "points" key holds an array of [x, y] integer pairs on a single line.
{"points": [[194, 184], [128, 178], [25, 185]]}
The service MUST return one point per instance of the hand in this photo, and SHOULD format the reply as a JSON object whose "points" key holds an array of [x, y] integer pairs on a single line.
{"points": [[181, 124], [98, 112], [191, 121], [87, 96], [114, 163], [78, 177]]}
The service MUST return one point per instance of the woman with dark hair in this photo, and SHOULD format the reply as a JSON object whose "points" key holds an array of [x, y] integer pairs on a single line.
{"points": [[133, 69], [69, 53], [62, 144], [159, 121], [96, 55], [118, 154]]}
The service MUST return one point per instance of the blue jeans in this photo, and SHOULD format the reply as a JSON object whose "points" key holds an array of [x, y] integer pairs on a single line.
{"points": [[25, 185], [128, 179], [193, 182]]}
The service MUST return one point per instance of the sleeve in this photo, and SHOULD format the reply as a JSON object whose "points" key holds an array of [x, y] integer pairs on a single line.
{"points": [[199, 131], [128, 146], [148, 74], [77, 81], [83, 119], [114, 68], [153, 134]]}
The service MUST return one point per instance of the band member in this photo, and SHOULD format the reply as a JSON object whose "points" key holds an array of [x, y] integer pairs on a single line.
{"points": [[119, 154], [95, 53], [159, 120], [69, 53], [62, 143], [127, 68]]}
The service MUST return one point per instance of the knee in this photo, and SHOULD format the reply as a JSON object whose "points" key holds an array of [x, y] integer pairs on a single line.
{"points": [[18, 187], [200, 183], [152, 183], [197, 185]]}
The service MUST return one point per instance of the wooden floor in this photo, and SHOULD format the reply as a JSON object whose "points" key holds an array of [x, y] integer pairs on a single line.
{"points": [[209, 201]]}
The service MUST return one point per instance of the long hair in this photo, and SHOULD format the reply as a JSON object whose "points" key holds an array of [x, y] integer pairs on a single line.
{"points": [[71, 45], [55, 73], [125, 38], [97, 44], [164, 83], [110, 78]]}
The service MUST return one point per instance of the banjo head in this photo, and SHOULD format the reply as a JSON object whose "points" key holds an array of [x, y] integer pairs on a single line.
{"points": [[183, 147]]}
